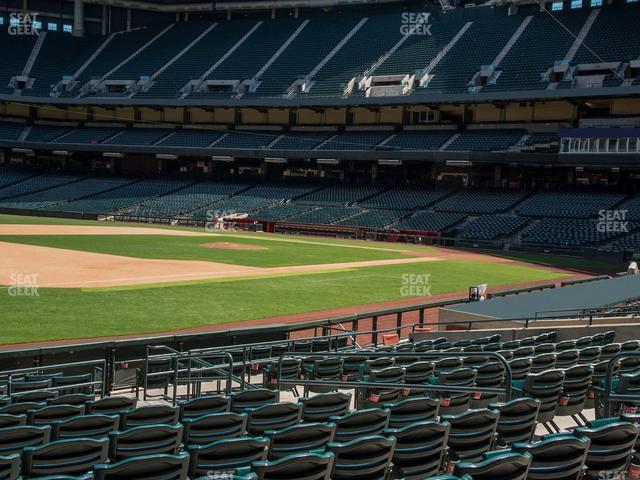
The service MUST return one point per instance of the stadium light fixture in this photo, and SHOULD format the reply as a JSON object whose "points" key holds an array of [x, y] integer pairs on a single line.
{"points": [[26, 151], [221, 158], [459, 163]]}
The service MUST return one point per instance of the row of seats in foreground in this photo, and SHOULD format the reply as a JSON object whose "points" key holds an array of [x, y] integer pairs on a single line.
{"points": [[417, 452]]}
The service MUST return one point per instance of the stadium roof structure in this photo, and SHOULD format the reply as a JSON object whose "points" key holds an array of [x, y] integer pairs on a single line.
{"points": [[225, 5]]}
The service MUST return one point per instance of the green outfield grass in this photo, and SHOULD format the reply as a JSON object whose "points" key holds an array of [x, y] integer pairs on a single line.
{"points": [[75, 313]]}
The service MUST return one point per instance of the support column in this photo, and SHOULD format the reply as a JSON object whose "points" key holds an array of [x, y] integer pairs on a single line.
{"points": [[128, 19], [78, 18], [104, 20], [497, 176]]}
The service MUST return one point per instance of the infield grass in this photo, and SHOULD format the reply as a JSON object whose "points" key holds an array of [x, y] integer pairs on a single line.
{"points": [[276, 253]]}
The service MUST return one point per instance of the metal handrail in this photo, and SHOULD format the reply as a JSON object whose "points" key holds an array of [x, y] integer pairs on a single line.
{"points": [[608, 394], [172, 354], [229, 377], [606, 310], [98, 366], [508, 376], [175, 372]]}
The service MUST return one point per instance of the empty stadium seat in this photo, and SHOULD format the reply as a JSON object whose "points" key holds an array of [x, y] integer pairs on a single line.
{"points": [[303, 466], [320, 408], [420, 450], [240, 401], [111, 405], [10, 466], [15, 439], [367, 457], [472, 433], [300, 438], [215, 426], [86, 426], [274, 416], [412, 410], [206, 405], [517, 421], [358, 423], [611, 444], [66, 457], [546, 387], [149, 415], [507, 465], [160, 467], [556, 456], [226, 455], [145, 440]]}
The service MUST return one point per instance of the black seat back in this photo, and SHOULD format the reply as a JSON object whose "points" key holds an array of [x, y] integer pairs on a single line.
{"points": [[54, 413], [227, 454], [10, 466], [64, 457], [612, 443], [240, 401], [199, 406], [8, 420], [420, 449], [412, 410], [321, 407], [517, 421], [86, 426], [274, 416], [304, 466], [472, 433], [301, 438], [150, 415], [150, 467], [506, 466], [368, 458], [111, 405], [546, 387], [14, 439], [358, 423], [556, 456], [145, 440], [216, 426]]}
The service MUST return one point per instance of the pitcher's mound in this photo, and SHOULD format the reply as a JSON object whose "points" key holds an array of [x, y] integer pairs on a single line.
{"points": [[233, 246]]}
